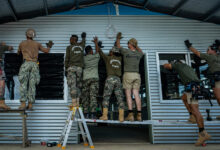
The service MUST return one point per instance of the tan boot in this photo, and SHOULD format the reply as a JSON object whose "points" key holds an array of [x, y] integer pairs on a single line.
{"points": [[139, 117], [30, 106], [104, 114], [192, 119], [3, 105], [203, 136], [121, 115], [130, 117], [22, 106]]}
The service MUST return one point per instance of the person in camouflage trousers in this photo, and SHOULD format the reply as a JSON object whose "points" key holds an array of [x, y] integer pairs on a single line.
{"points": [[74, 67], [90, 82], [3, 48], [113, 81], [29, 75]]}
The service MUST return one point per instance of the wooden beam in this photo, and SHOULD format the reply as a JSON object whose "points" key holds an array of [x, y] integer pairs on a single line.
{"points": [[12, 10], [178, 7], [146, 3]]}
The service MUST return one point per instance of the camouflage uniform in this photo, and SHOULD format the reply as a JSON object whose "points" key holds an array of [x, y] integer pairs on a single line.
{"points": [[74, 81], [28, 75], [113, 83], [89, 94]]}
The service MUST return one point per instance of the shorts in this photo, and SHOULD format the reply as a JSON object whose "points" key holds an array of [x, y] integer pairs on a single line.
{"points": [[217, 84], [191, 100], [131, 80]]}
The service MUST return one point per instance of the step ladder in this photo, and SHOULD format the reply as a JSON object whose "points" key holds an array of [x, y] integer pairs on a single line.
{"points": [[75, 115]]}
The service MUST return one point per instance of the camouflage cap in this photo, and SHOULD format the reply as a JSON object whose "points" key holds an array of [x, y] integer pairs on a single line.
{"points": [[114, 49], [133, 42], [30, 33]]}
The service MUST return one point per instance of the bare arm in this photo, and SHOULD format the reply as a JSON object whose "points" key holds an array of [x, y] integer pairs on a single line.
{"points": [[195, 51]]}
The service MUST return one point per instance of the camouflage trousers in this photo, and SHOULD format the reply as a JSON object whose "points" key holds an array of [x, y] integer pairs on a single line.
{"points": [[74, 81], [89, 95], [113, 83], [29, 77]]}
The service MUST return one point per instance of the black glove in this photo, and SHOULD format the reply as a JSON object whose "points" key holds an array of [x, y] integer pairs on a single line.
{"points": [[83, 35], [100, 44], [217, 42], [187, 43], [49, 44]]}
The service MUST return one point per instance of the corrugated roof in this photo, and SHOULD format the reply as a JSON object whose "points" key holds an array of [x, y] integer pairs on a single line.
{"points": [[204, 10]]}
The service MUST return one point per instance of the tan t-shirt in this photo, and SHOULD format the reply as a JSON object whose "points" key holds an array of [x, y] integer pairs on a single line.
{"points": [[30, 50]]}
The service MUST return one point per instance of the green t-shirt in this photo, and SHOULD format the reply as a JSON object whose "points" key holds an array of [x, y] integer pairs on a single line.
{"points": [[74, 55], [112, 63], [185, 72], [3, 48], [91, 63], [131, 59], [213, 61]]}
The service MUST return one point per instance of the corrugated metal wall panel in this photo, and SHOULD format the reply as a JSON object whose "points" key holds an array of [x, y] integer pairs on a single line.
{"points": [[154, 34]]}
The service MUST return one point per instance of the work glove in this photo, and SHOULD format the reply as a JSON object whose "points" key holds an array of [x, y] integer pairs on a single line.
{"points": [[119, 35], [100, 44], [187, 43], [49, 44], [83, 35], [217, 42]]}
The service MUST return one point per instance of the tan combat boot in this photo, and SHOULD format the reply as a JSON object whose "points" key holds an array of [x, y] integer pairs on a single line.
{"points": [[139, 117], [203, 136], [192, 119], [104, 114], [121, 115], [30, 106], [3, 105], [130, 117], [22, 106]]}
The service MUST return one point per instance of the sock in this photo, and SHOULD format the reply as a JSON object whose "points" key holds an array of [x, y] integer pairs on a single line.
{"points": [[190, 113], [201, 129], [130, 111]]}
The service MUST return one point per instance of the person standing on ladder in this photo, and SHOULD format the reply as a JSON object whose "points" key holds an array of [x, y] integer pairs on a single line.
{"points": [[90, 82], [131, 77], [113, 81], [29, 75], [3, 48], [74, 67], [190, 80]]}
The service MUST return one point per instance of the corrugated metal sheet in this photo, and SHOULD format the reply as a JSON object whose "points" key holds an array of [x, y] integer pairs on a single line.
{"points": [[154, 34]]}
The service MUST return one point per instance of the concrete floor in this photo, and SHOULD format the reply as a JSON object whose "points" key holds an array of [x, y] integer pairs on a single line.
{"points": [[114, 146]]}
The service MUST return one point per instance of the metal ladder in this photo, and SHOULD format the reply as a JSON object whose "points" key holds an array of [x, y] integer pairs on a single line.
{"points": [[75, 114]]}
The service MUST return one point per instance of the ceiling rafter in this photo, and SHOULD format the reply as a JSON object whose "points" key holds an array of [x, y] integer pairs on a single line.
{"points": [[12, 10], [45, 6], [178, 7], [212, 12]]}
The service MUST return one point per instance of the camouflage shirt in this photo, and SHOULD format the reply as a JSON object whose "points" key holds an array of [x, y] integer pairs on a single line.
{"points": [[74, 55], [112, 63], [213, 61], [131, 59], [185, 72]]}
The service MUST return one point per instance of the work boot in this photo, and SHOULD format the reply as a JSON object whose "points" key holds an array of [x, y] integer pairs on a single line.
{"points": [[74, 103], [192, 119], [121, 115], [203, 136], [139, 117], [104, 114], [3, 105], [30, 106], [130, 117], [22, 106]]}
